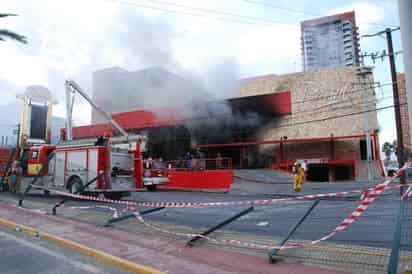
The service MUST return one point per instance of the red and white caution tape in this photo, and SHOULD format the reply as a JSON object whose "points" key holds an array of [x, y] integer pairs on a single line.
{"points": [[191, 235], [231, 203], [408, 193], [369, 198], [367, 201]]}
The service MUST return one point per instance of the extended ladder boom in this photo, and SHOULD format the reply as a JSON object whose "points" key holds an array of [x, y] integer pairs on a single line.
{"points": [[71, 88]]}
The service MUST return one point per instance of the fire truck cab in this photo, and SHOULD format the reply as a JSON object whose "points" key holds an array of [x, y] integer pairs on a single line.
{"points": [[35, 157]]}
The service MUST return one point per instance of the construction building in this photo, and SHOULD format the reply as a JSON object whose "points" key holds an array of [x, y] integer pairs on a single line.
{"points": [[330, 41], [318, 117]]}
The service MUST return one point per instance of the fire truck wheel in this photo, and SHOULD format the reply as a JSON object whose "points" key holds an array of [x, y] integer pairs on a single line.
{"points": [[75, 185], [151, 188]]}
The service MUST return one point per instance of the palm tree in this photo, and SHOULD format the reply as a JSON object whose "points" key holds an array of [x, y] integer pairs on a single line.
{"points": [[10, 34]]}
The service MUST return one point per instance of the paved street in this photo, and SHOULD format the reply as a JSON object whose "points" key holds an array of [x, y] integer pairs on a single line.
{"points": [[374, 228], [265, 224], [21, 254]]}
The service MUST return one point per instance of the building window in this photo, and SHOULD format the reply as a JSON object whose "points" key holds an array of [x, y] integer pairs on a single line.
{"points": [[363, 150]]}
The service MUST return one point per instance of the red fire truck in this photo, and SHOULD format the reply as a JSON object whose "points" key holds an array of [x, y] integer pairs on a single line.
{"points": [[115, 162]]}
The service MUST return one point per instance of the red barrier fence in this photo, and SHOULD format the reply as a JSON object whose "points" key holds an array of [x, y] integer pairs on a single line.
{"points": [[214, 174], [206, 180]]}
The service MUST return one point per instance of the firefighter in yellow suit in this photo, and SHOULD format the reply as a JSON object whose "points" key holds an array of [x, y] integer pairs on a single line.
{"points": [[299, 176]]}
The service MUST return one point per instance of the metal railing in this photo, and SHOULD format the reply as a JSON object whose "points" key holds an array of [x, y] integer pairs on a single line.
{"points": [[319, 158]]}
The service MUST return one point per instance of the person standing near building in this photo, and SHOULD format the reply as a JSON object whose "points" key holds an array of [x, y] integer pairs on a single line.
{"points": [[219, 161], [188, 160], [15, 177], [299, 176]]}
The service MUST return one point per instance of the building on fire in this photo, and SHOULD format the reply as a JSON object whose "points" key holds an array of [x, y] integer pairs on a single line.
{"points": [[317, 116]]}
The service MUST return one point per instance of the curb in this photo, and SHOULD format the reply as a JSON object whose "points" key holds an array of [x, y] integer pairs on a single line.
{"points": [[88, 251]]}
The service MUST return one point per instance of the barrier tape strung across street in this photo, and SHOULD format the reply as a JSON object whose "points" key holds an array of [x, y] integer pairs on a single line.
{"points": [[368, 197], [232, 203], [191, 235], [408, 193]]}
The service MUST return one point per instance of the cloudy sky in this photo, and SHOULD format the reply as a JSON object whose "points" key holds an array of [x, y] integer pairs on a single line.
{"points": [[70, 39]]}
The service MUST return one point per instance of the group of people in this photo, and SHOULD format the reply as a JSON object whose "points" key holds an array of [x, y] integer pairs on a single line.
{"points": [[153, 163], [194, 160]]}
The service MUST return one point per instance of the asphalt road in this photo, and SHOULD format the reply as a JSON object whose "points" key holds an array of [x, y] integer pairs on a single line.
{"points": [[22, 254], [375, 227]]}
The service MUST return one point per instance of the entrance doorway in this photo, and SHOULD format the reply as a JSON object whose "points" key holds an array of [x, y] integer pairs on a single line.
{"points": [[318, 172]]}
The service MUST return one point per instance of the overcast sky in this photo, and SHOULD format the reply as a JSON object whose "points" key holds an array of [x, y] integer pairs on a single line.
{"points": [[70, 39]]}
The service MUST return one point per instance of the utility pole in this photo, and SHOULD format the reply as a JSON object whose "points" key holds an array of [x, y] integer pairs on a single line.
{"points": [[399, 133]]}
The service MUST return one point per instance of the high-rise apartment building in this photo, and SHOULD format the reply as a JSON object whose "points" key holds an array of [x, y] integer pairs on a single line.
{"points": [[330, 41]]}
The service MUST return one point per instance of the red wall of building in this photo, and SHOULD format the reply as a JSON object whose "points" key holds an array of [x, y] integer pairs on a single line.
{"points": [[212, 180]]}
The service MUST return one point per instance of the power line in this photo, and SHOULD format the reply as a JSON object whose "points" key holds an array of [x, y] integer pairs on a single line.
{"points": [[245, 19], [379, 55], [380, 32], [338, 116], [270, 5], [350, 92], [305, 111], [261, 3], [211, 116], [197, 15], [219, 12], [242, 132], [310, 111]]}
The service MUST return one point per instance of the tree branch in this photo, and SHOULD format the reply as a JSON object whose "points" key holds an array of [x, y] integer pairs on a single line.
{"points": [[12, 35]]}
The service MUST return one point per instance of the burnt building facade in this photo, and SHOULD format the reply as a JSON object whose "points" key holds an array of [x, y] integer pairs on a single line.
{"points": [[318, 117]]}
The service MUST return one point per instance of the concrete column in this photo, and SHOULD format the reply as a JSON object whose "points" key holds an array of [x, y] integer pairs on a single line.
{"points": [[405, 15]]}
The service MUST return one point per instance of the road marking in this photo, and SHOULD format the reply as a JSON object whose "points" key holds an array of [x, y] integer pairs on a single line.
{"points": [[85, 250], [44, 250], [262, 223]]}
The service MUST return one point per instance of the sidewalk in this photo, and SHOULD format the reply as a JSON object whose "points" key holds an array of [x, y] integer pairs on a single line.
{"points": [[169, 256]]}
